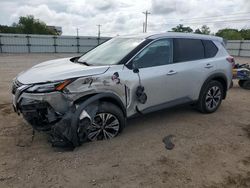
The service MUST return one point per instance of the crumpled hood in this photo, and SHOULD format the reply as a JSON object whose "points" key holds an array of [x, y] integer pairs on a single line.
{"points": [[56, 70]]}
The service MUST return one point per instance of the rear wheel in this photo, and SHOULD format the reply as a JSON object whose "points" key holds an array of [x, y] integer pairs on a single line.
{"points": [[246, 84], [107, 123], [241, 82], [211, 97]]}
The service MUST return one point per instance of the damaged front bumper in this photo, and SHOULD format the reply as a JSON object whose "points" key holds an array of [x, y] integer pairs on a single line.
{"points": [[52, 112], [41, 110]]}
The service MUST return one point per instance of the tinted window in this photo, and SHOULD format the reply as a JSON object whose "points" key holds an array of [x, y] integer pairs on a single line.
{"points": [[210, 48], [188, 50], [156, 54]]}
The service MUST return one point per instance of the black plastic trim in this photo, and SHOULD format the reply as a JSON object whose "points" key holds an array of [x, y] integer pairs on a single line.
{"points": [[176, 102]]}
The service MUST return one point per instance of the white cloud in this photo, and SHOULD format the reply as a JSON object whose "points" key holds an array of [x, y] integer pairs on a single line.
{"points": [[124, 16]]}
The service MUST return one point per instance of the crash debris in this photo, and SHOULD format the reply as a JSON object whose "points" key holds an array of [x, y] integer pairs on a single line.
{"points": [[169, 145]]}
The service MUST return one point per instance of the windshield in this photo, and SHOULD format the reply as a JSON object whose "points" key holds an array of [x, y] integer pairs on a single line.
{"points": [[110, 52]]}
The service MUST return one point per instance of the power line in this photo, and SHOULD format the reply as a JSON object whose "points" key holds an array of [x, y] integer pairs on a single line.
{"points": [[146, 20], [215, 21], [207, 17]]}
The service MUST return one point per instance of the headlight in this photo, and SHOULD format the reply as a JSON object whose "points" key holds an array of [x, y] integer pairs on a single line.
{"points": [[50, 87]]}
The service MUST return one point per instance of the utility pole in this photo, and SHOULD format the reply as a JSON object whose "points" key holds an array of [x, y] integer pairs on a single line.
{"points": [[77, 40], [146, 20], [143, 26], [77, 32], [99, 33]]}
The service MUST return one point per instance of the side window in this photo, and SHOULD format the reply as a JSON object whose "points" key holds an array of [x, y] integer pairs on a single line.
{"points": [[210, 48], [156, 54], [188, 50]]}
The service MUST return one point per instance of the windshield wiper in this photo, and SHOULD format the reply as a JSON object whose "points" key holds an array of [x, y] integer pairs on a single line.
{"points": [[83, 62]]}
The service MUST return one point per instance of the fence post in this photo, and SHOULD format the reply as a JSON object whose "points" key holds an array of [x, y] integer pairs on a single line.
{"points": [[240, 47], [78, 44], [1, 50], [54, 37], [28, 42]]}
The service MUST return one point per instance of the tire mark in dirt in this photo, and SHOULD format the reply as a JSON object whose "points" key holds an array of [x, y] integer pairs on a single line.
{"points": [[24, 136], [241, 180], [6, 108], [247, 130], [233, 181]]}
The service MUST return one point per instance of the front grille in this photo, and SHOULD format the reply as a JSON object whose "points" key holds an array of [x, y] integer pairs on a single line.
{"points": [[16, 84]]}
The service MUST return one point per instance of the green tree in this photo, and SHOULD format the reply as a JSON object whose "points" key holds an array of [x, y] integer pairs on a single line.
{"points": [[182, 29], [198, 31], [8, 29], [245, 34], [229, 34], [28, 25], [203, 30]]}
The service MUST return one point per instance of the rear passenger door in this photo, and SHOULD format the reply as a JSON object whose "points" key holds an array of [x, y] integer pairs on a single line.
{"points": [[193, 62]]}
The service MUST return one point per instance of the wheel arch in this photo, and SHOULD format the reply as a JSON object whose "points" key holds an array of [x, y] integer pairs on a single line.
{"points": [[104, 97], [217, 77]]}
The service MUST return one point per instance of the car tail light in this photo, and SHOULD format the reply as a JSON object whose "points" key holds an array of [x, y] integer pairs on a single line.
{"points": [[230, 59]]}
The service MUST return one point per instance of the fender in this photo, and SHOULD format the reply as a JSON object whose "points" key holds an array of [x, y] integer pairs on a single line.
{"points": [[219, 77]]}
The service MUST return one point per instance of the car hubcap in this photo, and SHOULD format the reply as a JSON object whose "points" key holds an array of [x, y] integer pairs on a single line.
{"points": [[104, 126], [213, 97]]}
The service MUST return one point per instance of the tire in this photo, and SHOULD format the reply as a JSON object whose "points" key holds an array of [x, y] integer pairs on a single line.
{"points": [[210, 97], [107, 114], [246, 84], [241, 82]]}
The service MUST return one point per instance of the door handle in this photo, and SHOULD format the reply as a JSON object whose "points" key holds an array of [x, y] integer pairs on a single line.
{"points": [[208, 66], [172, 72]]}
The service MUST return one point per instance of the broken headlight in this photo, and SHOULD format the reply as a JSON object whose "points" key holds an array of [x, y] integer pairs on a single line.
{"points": [[49, 87]]}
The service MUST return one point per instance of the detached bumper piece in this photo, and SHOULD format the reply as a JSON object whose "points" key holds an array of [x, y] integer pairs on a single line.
{"points": [[68, 133], [39, 114]]}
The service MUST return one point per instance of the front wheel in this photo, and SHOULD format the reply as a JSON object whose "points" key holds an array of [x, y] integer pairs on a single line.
{"points": [[107, 123], [211, 97]]}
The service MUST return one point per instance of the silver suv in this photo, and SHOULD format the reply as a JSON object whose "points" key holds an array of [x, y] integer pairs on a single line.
{"points": [[91, 96]]}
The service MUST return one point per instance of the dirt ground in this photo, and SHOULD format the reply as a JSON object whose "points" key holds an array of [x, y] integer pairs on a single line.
{"points": [[210, 150]]}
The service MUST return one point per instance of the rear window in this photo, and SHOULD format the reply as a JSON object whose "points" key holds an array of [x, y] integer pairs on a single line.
{"points": [[210, 48], [188, 50]]}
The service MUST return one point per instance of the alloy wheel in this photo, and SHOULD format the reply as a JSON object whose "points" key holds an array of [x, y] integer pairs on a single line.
{"points": [[104, 126], [213, 98]]}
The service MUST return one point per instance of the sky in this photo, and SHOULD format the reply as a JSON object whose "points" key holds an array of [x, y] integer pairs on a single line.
{"points": [[118, 17]]}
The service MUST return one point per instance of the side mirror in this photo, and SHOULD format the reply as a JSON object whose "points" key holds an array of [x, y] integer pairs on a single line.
{"points": [[135, 67], [136, 70]]}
